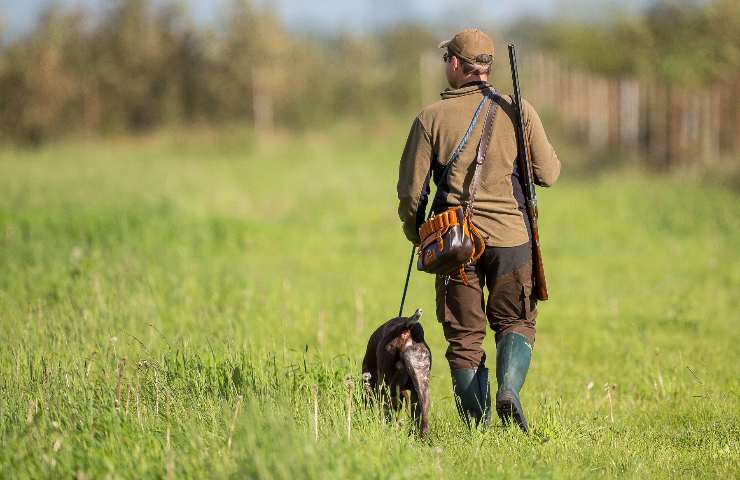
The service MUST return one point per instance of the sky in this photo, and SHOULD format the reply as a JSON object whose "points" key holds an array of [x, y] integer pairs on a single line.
{"points": [[337, 15]]}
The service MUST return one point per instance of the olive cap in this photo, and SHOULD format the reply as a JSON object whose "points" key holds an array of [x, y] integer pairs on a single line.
{"points": [[472, 45]]}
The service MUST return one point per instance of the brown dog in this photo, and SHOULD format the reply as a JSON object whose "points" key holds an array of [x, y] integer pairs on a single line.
{"points": [[398, 358]]}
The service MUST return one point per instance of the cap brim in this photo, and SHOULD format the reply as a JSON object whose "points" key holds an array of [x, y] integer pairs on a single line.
{"points": [[444, 44]]}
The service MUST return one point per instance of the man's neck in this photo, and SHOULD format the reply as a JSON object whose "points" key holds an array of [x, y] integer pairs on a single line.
{"points": [[473, 79]]}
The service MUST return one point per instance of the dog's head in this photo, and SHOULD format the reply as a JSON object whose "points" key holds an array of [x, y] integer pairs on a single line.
{"points": [[403, 332]]}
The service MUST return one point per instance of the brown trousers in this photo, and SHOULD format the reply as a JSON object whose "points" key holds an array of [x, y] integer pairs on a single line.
{"points": [[507, 271]]}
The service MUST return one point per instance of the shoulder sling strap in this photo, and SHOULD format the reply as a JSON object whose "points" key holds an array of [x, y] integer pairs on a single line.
{"points": [[480, 157]]}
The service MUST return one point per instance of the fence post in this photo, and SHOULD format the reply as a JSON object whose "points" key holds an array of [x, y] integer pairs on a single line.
{"points": [[429, 68], [262, 101], [629, 114], [711, 123], [598, 112]]}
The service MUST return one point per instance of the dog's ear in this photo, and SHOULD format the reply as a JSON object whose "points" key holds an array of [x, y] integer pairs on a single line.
{"points": [[414, 318], [399, 342], [417, 333]]}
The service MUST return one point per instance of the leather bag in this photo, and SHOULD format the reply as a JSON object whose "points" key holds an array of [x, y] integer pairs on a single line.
{"points": [[449, 241]]}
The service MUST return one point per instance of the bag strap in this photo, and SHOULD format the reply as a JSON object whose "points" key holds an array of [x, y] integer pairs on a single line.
{"points": [[454, 155], [464, 140], [480, 157]]}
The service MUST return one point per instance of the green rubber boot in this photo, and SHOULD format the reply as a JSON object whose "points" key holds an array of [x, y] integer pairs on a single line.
{"points": [[513, 354], [473, 396]]}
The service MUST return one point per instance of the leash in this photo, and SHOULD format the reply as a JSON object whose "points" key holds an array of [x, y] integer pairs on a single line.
{"points": [[408, 278]]}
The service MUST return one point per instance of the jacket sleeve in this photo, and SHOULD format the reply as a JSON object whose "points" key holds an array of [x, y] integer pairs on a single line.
{"points": [[413, 171], [545, 163]]}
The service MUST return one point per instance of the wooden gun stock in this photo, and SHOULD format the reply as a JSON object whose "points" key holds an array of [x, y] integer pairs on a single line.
{"points": [[538, 269], [525, 168]]}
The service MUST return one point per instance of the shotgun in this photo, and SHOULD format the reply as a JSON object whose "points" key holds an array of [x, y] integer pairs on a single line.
{"points": [[525, 171]]}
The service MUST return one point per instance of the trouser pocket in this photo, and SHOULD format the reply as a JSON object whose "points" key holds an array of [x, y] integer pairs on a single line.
{"points": [[511, 307]]}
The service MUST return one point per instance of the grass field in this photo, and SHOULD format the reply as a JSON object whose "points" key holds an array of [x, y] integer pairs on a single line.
{"points": [[167, 305]]}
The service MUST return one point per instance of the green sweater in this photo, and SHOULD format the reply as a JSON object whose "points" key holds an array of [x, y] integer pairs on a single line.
{"points": [[498, 211]]}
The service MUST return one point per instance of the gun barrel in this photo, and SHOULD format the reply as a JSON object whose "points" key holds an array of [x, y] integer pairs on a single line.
{"points": [[525, 169], [526, 164]]}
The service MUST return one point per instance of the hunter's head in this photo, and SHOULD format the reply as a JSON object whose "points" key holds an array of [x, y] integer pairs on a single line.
{"points": [[468, 57]]}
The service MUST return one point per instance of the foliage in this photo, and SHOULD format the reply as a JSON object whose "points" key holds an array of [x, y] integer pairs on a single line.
{"points": [[689, 43], [146, 64]]}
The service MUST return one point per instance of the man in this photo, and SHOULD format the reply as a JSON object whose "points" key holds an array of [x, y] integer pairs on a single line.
{"points": [[498, 212]]}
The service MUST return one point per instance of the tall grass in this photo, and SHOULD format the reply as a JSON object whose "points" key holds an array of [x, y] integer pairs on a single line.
{"points": [[168, 306]]}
